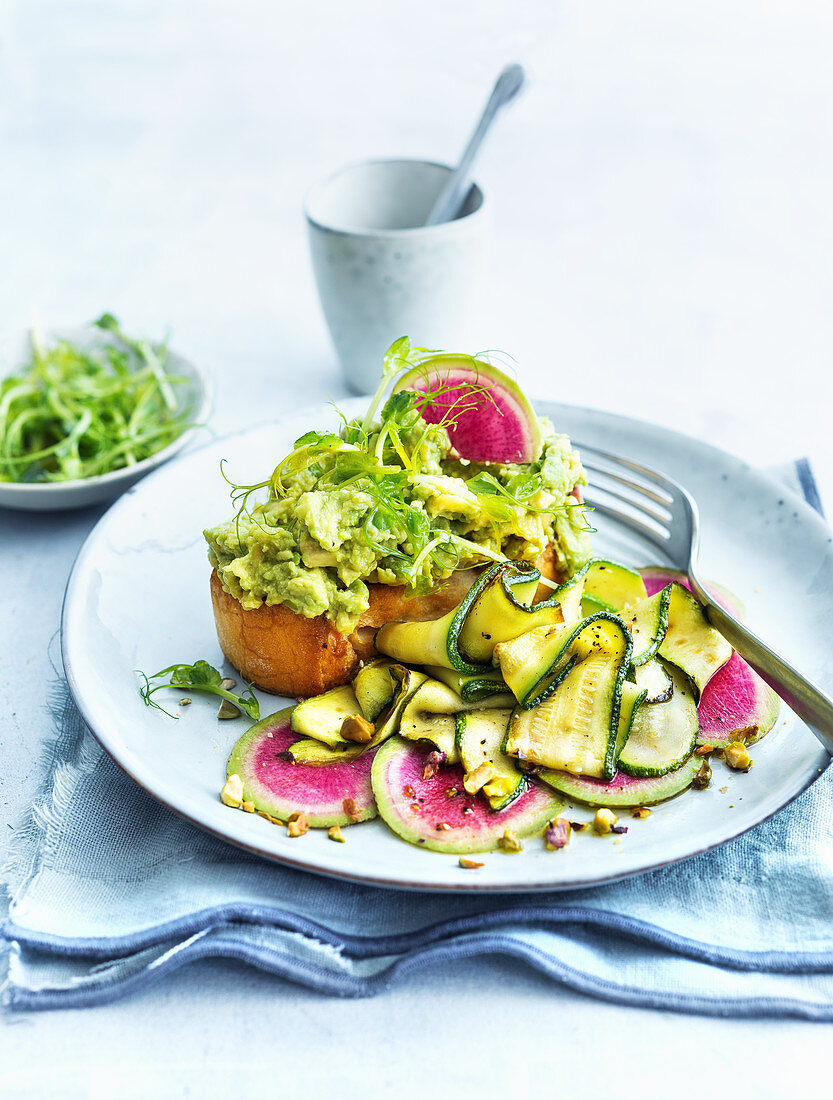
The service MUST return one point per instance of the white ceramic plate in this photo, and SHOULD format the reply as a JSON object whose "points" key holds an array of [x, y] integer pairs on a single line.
{"points": [[138, 599], [59, 496]]}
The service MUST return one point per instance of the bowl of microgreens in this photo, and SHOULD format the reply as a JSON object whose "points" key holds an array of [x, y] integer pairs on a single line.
{"points": [[86, 412]]}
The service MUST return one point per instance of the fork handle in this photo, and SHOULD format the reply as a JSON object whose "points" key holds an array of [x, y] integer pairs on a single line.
{"points": [[809, 703]]}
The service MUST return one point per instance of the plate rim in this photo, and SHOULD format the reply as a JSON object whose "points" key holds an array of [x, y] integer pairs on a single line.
{"points": [[375, 879]]}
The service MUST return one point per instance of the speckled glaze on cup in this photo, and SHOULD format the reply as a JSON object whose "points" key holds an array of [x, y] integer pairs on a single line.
{"points": [[382, 273]]}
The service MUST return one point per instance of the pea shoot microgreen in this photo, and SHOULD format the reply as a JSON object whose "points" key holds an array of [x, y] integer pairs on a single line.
{"points": [[200, 676], [384, 455], [74, 412]]}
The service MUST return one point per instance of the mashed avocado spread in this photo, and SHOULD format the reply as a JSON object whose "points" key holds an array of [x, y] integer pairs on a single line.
{"points": [[391, 503]]}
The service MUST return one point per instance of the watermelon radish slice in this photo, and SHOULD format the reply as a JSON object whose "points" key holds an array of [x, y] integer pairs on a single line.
{"points": [[414, 807], [279, 787], [625, 790], [489, 418], [736, 703]]}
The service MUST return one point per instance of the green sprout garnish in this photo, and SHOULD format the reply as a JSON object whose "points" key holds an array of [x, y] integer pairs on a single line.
{"points": [[200, 676], [71, 413], [384, 455]]}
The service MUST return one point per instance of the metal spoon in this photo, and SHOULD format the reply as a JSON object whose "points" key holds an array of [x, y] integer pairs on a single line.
{"points": [[456, 187]]}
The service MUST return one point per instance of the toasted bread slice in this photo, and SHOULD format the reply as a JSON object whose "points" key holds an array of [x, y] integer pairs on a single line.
{"points": [[288, 654]]}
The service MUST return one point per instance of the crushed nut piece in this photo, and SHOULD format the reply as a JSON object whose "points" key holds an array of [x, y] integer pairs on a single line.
{"points": [[557, 834], [432, 764], [704, 750], [500, 787], [228, 710], [356, 728], [469, 864], [473, 781], [579, 826], [604, 821], [451, 792], [227, 684], [185, 702], [618, 829], [640, 811], [509, 842], [335, 833], [269, 817], [443, 827], [297, 825], [748, 731], [249, 807], [737, 757], [703, 777], [351, 809], [232, 792]]}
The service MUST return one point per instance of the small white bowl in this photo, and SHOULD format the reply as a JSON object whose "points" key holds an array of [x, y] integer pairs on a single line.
{"points": [[58, 496]]}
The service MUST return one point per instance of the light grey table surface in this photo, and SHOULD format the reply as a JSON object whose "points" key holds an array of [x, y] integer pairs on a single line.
{"points": [[662, 244]]}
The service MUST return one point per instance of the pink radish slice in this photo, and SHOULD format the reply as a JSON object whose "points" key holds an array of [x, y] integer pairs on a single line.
{"points": [[417, 809], [487, 416], [736, 703], [279, 787]]}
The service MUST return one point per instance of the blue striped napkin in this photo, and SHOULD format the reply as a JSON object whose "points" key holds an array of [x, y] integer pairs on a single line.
{"points": [[110, 891]]}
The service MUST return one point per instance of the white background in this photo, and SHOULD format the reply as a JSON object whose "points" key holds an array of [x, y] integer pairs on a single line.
{"points": [[661, 199]]}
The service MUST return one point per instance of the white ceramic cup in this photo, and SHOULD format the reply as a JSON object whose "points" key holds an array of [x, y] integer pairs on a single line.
{"points": [[382, 273]]}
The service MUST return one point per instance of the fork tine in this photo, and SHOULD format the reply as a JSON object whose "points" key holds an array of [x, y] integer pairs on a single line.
{"points": [[617, 460], [653, 534], [663, 499], [661, 518]]}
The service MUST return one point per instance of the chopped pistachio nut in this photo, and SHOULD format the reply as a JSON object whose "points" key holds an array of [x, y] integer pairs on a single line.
{"points": [[356, 728], [228, 710], [232, 792], [509, 842], [499, 787], [704, 750], [297, 825], [579, 826], [604, 821], [432, 763], [737, 756], [703, 777], [469, 864], [351, 809], [249, 807], [557, 834], [268, 817], [640, 811], [335, 833], [227, 684], [185, 702], [473, 781]]}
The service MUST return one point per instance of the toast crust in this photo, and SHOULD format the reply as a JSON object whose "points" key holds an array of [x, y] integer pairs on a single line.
{"points": [[285, 653]]}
